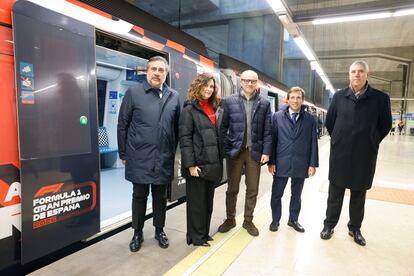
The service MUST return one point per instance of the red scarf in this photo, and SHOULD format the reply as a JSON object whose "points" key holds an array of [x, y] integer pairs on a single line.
{"points": [[209, 110]]}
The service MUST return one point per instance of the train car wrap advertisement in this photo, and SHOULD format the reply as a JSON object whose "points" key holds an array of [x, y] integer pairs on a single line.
{"points": [[57, 202], [10, 215], [10, 187], [58, 135]]}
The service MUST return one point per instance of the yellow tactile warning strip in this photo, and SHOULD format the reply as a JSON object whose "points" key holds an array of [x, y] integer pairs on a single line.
{"points": [[224, 249]]}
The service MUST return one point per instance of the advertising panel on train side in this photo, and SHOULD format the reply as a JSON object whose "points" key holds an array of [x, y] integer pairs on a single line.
{"points": [[10, 188], [58, 144]]}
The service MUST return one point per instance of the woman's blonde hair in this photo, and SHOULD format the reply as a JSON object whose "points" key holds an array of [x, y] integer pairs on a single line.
{"points": [[198, 84]]}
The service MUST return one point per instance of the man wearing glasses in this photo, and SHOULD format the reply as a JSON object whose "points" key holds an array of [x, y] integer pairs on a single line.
{"points": [[247, 142]]}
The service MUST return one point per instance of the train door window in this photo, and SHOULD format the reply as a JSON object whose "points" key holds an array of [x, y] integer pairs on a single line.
{"points": [[227, 86], [273, 101], [101, 87], [120, 64]]}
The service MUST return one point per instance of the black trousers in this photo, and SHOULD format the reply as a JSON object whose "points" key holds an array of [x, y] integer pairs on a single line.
{"points": [[334, 207], [278, 187], [139, 204], [200, 195]]}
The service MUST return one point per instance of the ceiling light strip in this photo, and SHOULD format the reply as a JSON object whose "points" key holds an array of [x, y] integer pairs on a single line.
{"points": [[362, 17], [277, 6], [280, 9], [306, 50]]}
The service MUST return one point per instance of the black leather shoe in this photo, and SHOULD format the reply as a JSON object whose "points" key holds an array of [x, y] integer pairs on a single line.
{"points": [[135, 243], [358, 238], [208, 238], [206, 244], [274, 226], [296, 225], [327, 233], [162, 239]]}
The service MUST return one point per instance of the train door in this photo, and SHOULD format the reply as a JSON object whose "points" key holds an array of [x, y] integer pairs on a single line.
{"points": [[120, 64], [183, 72], [57, 123], [228, 87]]}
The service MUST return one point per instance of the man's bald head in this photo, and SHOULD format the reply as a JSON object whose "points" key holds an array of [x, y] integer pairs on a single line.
{"points": [[249, 74], [248, 81]]}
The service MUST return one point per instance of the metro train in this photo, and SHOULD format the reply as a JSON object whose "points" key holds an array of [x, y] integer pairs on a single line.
{"points": [[64, 69]]}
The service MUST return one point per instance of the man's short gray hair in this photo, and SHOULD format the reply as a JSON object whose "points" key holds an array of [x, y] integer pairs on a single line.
{"points": [[158, 58], [362, 63]]}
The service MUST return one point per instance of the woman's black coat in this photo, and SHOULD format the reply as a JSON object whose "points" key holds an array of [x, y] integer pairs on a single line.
{"points": [[199, 143]]}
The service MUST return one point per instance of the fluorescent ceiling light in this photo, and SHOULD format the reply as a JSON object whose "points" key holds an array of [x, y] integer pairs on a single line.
{"points": [[362, 17], [351, 18], [325, 79], [317, 67], [404, 12], [277, 6], [71, 10], [306, 50]]}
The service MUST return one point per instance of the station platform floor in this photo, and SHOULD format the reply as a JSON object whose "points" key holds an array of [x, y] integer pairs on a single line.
{"points": [[388, 228]]}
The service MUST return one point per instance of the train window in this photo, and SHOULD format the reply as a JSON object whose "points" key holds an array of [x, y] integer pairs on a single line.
{"points": [[101, 100], [60, 84], [227, 86], [127, 47], [273, 98]]}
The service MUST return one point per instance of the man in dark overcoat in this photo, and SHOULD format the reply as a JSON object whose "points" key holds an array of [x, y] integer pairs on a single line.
{"points": [[358, 118], [294, 155], [147, 140]]}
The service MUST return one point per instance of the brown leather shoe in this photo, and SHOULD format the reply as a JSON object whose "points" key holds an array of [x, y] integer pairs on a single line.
{"points": [[251, 228], [227, 225]]}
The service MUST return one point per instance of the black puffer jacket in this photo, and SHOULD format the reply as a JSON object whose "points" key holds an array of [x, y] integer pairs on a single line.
{"points": [[234, 124], [199, 143]]}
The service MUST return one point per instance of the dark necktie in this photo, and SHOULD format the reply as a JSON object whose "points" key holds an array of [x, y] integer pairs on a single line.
{"points": [[159, 92], [294, 116]]}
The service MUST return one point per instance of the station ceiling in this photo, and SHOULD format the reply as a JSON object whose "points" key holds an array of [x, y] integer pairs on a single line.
{"points": [[387, 44]]}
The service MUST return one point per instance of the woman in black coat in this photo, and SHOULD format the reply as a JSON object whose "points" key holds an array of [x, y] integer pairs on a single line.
{"points": [[201, 162]]}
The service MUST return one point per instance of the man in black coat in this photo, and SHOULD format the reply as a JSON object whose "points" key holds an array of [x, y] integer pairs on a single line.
{"points": [[294, 155], [358, 118], [247, 142], [147, 140]]}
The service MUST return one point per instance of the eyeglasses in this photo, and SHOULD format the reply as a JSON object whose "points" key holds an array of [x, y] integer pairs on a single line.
{"points": [[249, 81]]}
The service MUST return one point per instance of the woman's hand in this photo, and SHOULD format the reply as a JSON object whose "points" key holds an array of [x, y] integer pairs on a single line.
{"points": [[194, 171]]}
